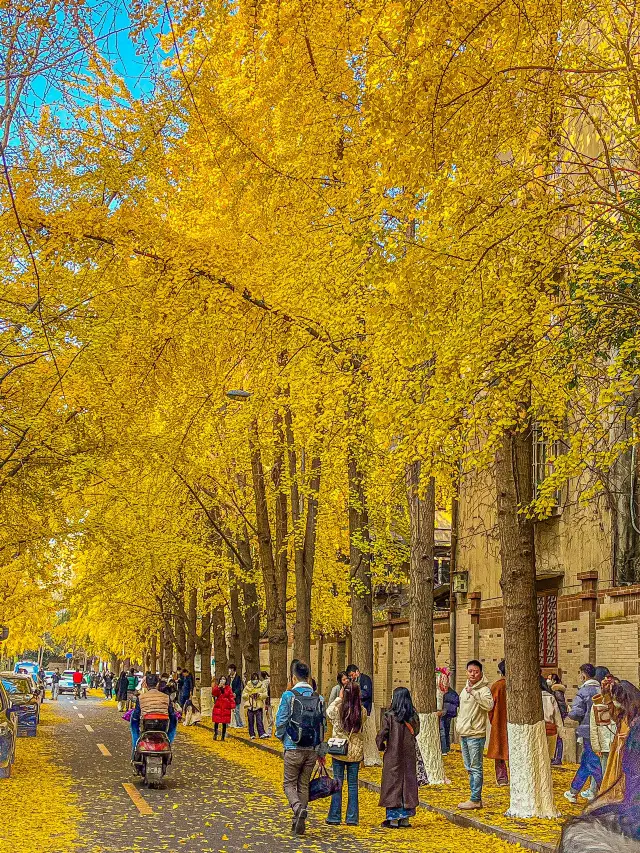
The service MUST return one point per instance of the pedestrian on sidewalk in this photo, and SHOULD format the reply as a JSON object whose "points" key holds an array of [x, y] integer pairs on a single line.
{"points": [[397, 739], [552, 717], [132, 692], [108, 684], [581, 712], [365, 684], [55, 684], [121, 690], [559, 689], [498, 742], [602, 722], [475, 703], [300, 723], [237, 685], [268, 709], [348, 715], [626, 701], [341, 680], [254, 696], [186, 689], [450, 705], [224, 703]]}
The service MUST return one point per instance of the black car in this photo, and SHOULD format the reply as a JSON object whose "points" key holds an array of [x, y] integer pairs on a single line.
{"points": [[25, 700]]}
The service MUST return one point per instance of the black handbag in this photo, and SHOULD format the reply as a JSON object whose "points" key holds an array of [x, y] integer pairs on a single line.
{"points": [[322, 783], [338, 746]]}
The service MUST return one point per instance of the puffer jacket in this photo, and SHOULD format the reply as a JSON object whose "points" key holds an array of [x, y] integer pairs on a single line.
{"points": [[581, 707], [356, 739], [254, 696]]}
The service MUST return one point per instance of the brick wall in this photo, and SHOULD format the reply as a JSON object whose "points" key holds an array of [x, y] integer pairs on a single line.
{"points": [[617, 644]]}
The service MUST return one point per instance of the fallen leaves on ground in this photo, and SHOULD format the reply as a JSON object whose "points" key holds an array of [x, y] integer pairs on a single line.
{"points": [[38, 808], [430, 833]]}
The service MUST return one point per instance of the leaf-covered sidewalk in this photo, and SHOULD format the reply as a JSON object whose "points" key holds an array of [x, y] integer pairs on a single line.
{"points": [[430, 832], [495, 799]]}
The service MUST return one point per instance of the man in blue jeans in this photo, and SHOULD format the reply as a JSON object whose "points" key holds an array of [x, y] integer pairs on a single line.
{"points": [[581, 712], [475, 703]]}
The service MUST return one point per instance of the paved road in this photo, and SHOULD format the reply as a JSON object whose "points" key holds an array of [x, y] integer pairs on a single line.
{"points": [[208, 805]]}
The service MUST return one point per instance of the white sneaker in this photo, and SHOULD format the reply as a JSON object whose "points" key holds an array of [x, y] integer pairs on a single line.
{"points": [[570, 795], [588, 794]]}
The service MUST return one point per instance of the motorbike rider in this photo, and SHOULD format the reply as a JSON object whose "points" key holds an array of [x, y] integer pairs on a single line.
{"points": [[152, 701], [77, 683]]}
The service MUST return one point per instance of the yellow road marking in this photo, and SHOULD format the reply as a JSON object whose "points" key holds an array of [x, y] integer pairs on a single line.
{"points": [[88, 727], [103, 749], [138, 800]]}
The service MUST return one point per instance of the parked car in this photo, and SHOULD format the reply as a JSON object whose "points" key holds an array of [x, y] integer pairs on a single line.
{"points": [[8, 733], [66, 684], [25, 699]]}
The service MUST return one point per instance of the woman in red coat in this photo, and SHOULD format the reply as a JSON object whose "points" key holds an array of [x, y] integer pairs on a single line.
{"points": [[224, 704]]}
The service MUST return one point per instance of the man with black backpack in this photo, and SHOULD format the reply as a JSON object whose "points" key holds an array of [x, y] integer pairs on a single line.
{"points": [[300, 726]]}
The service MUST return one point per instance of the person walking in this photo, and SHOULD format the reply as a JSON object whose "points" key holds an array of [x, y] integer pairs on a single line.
{"points": [[300, 725], [237, 685], [397, 739], [626, 701], [254, 696], [224, 703], [498, 743], [602, 722], [55, 683], [559, 690], [581, 712], [450, 705], [121, 690], [341, 680], [475, 703], [108, 684], [132, 684], [347, 715], [552, 717], [186, 688]]}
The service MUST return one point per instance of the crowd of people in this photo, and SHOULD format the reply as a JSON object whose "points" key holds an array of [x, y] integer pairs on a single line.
{"points": [[605, 709]]}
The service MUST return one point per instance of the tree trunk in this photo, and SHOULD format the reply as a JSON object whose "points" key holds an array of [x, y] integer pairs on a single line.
{"points": [[360, 571], [272, 568], [206, 647], [192, 626], [250, 608], [219, 641], [531, 783], [167, 645], [153, 655], [422, 655]]}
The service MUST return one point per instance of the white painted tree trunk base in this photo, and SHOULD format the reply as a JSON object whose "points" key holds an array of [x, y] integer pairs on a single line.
{"points": [[206, 701], [530, 771], [371, 754], [428, 742]]}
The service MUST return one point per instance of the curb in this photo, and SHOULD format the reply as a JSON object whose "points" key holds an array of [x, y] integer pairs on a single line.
{"points": [[453, 817]]}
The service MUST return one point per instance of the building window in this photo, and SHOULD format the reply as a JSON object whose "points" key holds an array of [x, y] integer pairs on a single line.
{"points": [[548, 629], [545, 452]]}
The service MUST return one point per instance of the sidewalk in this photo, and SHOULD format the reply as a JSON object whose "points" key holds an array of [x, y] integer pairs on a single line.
{"points": [[533, 834]]}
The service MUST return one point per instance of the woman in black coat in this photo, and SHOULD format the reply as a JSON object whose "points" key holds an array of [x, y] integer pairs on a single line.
{"points": [[397, 738], [121, 687]]}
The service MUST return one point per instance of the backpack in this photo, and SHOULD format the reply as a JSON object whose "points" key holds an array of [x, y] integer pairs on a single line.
{"points": [[306, 721]]}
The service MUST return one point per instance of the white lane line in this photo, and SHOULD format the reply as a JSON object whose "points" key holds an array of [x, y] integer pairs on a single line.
{"points": [[81, 716], [103, 749], [88, 728]]}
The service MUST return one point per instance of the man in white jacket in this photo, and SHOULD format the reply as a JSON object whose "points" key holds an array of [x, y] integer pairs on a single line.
{"points": [[475, 703]]}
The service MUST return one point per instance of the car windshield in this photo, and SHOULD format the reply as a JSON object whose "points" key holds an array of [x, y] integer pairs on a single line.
{"points": [[18, 685]]}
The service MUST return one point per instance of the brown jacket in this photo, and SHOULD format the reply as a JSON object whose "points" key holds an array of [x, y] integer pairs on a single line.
{"points": [[399, 772], [498, 743], [153, 702]]}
